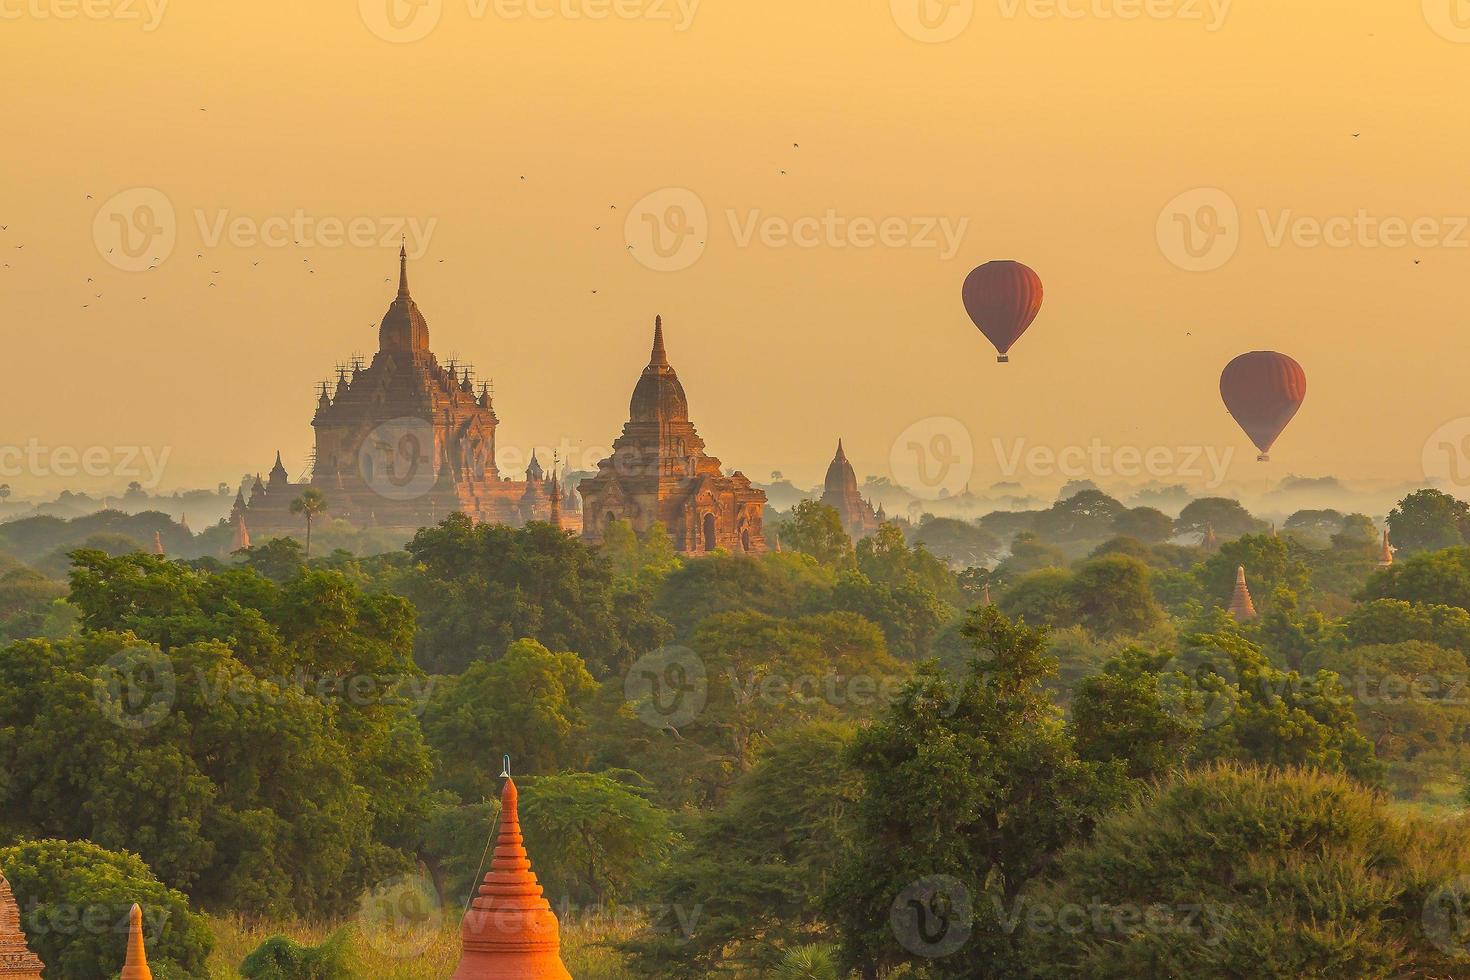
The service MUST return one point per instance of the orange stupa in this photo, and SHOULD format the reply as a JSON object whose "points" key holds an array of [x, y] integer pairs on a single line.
{"points": [[136, 965], [510, 932], [17, 962], [1241, 606]]}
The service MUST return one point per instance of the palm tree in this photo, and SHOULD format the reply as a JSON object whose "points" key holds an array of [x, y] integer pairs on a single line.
{"points": [[309, 505]]}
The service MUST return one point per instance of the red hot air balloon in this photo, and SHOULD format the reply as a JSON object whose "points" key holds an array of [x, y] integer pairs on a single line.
{"points": [[1002, 297], [1263, 390]]}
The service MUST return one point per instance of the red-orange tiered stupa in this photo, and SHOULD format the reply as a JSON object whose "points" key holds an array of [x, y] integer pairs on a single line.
{"points": [[510, 932], [136, 965], [17, 962]]}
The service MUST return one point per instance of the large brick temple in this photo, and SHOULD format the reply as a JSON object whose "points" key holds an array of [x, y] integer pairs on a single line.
{"points": [[659, 473], [402, 443]]}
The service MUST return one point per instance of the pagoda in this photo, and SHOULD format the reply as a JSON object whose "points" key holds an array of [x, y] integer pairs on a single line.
{"points": [[509, 931], [401, 442], [1241, 606], [659, 473], [840, 492], [136, 965], [17, 962]]}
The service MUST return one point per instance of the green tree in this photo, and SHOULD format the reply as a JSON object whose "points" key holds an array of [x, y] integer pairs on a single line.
{"points": [[480, 587], [778, 584], [755, 869], [310, 505], [1087, 516], [1111, 597], [75, 900], [1147, 524], [958, 542], [1231, 872], [255, 743], [1228, 518], [1428, 520], [1388, 621], [595, 837], [816, 529], [530, 703], [1028, 554], [1437, 578], [977, 781], [1270, 563]]}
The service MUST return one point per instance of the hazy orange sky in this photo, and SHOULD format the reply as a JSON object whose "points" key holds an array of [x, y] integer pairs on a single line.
{"points": [[1055, 133]]}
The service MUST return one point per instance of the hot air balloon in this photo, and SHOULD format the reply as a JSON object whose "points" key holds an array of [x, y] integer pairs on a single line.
{"points": [[1263, 390], [1002, 297]]}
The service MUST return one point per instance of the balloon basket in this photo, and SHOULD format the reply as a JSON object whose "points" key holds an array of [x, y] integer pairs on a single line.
{"points": [[1003, 359], [1263, 458]]}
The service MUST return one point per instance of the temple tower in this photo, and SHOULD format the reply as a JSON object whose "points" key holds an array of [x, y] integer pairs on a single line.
{"points": [[840, 492], [660, 473], [17, 962], [1241, 605], [136, 966], [510, 932]]}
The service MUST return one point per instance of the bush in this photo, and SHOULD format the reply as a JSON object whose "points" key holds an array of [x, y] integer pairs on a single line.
{"points": [[1235, 872], [75, 897], [281, 958]]}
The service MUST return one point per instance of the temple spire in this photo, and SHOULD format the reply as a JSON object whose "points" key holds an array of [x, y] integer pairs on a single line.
{"points": [[510, 930], [1241, 605], [403, 269], [158, 543], [17, 962], [1385, 557], [136, 966], [659, 356], [840, 453], [555, 497]]}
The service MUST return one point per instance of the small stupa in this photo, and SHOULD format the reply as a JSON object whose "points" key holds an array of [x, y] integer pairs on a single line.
{"points": [[17, 962], [509, 931], [985, 594], [241, 539], [1385, 558], [136, 965], [1241, 606], [1208, 541], [158, 544]]}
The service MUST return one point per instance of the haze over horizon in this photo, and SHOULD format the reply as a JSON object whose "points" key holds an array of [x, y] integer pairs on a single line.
{"points": [[516, 197]]}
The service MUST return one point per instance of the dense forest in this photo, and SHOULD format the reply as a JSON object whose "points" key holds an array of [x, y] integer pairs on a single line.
{"points": [[1031, 744]]}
